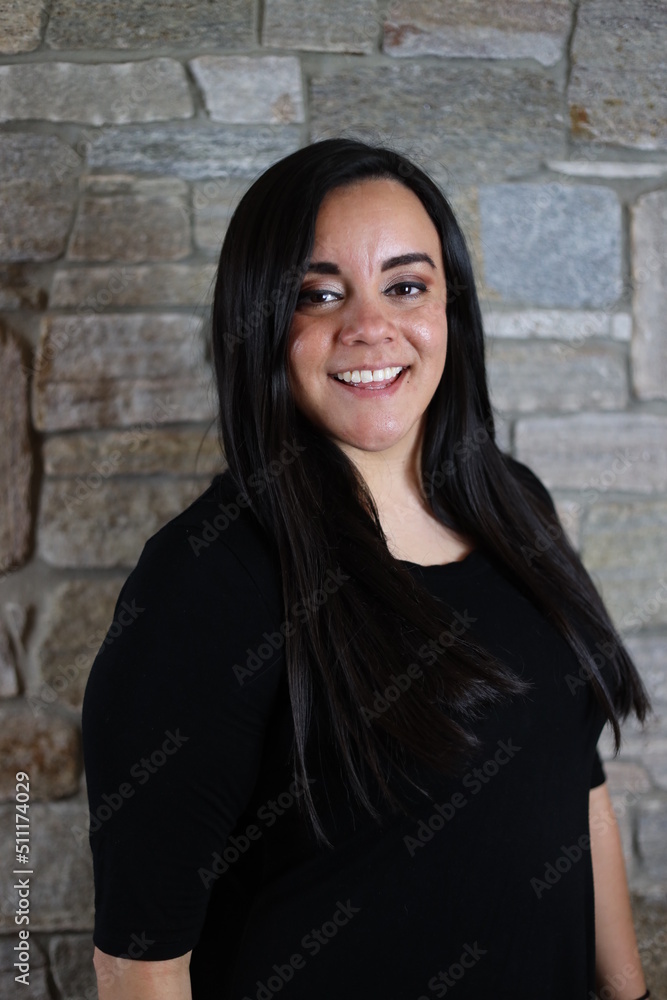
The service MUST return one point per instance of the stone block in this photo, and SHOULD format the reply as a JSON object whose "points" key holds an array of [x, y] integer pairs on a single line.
{"points": [[37, 195], [184, 451], [45, 746], [649, 277], [82, 24], [652, 836], [61, 890], [648, 653], [214, 203], [536, 375], [512, 29], [596, 452], [618, 85], [97, 93], [346, 26], [250, 89], [77, 618], [37, 982], [101, 288], [110, 370], [22, 287], [71, 959], [127, 219], [650, 918], [9, 681], [609, 169], [573, 325], [15, 455], [196, 152], [552, 244], [446, 119], [83, 526], [624, 547], [20, 25]]}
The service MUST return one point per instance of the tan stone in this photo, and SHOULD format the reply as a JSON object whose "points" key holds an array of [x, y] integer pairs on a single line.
{"points": [[214, 202], [15, 455], [649, 276], [46, 746], [71, 958], [243, 89], [9, 682], [178, 451], [105, 523], [22, 287], [101, 288], [20, 25], [510, 29], [127, 219]]}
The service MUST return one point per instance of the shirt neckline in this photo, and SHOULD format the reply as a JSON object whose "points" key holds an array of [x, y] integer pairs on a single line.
{"points": [[472, 562]]}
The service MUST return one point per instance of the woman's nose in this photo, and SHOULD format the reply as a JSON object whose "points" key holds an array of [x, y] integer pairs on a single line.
{"points": [[365, 321]]}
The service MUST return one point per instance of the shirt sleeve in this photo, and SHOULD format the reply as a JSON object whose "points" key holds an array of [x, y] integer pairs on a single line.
{"points": [[598, 776], [173, 729]]}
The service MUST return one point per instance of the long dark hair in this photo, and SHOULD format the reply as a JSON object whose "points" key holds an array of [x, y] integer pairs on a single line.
{"points": [[321, 516]]}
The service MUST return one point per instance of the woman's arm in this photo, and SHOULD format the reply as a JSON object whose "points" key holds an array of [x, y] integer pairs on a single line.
{"points": [[129, 979], [617, 961]]}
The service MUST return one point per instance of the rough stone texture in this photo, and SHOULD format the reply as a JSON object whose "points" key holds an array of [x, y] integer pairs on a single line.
{"points": [[181, 452], [214, 203], [46, 746], [37, 196], [575, 326], [9, 682], [152, 90], [552, 244], [652, 830], [20, 25], [22, 287], [650, 924], [512, 29], [608, 169], [117, 370], [100, 288], [618, 86], [72, 968], [347, 26], [596, 452], [247, 89], [648, 652], [15, 455], [194, 153], [38, 988], [61, 891], [127, 219], [107, 526], [649, 274], [446, 119], [96, 24], [625, 548], [77, 619], [541, 376]]}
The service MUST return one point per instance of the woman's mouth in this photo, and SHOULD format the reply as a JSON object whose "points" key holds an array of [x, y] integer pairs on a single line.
{"points": [[364, 379]]}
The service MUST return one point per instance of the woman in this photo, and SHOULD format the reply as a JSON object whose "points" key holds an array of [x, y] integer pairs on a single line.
{"points": [[347, 745]]}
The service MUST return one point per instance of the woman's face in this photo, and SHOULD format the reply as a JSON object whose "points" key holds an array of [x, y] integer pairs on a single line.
{"points": [[373, 298]]}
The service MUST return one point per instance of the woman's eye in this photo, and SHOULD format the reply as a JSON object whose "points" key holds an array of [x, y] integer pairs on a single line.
{"points": [[407, 289], [316, 296]]}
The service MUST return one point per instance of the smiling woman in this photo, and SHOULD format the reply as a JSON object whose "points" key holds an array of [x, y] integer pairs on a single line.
{"points": [[368, 657]]}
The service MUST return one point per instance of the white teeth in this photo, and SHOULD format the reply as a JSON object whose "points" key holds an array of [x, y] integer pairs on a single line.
{"points": [[366, 375]]}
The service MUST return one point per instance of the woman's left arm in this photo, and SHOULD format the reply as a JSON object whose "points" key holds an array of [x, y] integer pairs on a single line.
{"points": [[617, 961]]}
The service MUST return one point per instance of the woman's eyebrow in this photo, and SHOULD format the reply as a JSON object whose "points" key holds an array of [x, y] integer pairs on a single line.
{"points": [[327, 267]]}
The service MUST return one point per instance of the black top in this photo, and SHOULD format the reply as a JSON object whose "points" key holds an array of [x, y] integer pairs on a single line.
{"points": [[198, 842]]}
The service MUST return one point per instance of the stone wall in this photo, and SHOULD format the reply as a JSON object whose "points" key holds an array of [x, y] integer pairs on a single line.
{"points": [[127, 132]]}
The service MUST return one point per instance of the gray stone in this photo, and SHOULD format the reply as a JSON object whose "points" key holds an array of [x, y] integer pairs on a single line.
{"points": [[81, 526], [648, 653], [552, 245], [652, 833], [625, 549], [446, 119], [61, 890], [346, 26], [77, 619], [96, 24], [196, 152], [650, 918], [110, 370], [15, 455], [38, 982], [37, 196], [535, 375], [596, 452], [22, 287], [569, 513], [72, 968], [152, 90], [100, 288], [45, 746], [247, 89], [214, 202], [575, 326], [9, 682], [20, 25], [178, 452], [609, 169], [618, 85], [127, 219], [649, 276], [511, 29]]}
